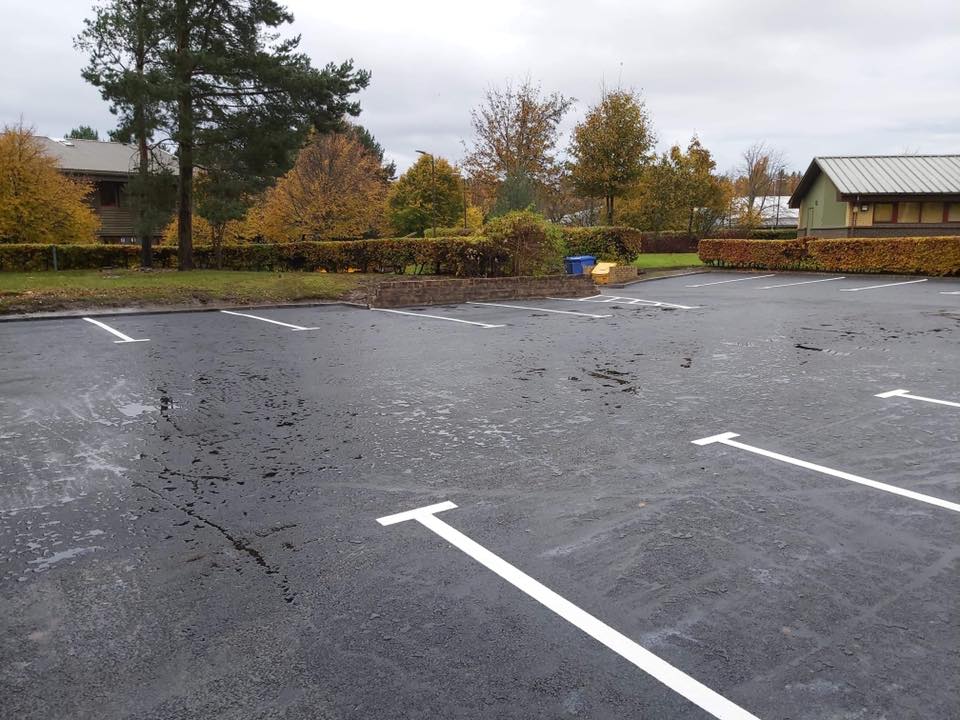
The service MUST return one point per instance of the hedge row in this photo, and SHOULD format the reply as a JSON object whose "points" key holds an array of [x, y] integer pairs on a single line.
{"points": [[614, 243], [623, 244], [902, 255], [455, 256]]}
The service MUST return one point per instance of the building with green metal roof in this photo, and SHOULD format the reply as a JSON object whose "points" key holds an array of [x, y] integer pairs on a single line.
{"points": [[879, 196]]}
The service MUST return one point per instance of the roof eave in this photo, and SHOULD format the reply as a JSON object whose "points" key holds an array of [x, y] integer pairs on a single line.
{"points": [[809, 177]]}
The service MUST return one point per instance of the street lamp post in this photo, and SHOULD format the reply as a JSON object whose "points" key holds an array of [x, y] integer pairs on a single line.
{"points": [[433, 189]]}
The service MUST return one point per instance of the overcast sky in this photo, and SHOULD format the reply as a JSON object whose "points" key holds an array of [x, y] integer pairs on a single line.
{"points": [[811, 78]]}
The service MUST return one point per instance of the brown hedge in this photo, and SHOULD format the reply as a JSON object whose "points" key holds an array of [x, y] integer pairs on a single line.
{"points": [[902, 255], [467, 257]]}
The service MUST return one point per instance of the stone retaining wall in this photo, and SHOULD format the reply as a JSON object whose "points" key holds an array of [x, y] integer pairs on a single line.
{"points": [[403, 293]]}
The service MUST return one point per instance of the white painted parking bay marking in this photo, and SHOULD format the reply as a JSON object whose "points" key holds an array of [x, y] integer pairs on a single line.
{"points": [[906, 394], [123, 338], [727, 439], [651, 303], [721, 282], [950, 292], [877, 287], [438, 317], [536, 309], [805, 282], [295, 328], [627, 301], [676, 680]]}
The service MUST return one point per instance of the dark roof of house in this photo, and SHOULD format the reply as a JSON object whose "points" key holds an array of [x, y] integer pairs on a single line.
{"points": [[99, 158], [885, 175]]}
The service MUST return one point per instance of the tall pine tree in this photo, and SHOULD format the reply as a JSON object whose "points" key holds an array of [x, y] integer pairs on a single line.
{"points": [[236, 98], [123, 40]]}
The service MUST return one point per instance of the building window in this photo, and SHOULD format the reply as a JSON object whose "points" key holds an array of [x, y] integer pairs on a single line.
{"points": [[109, 194], [932, 212], [883, 212], [908, 212], [953, 215]]}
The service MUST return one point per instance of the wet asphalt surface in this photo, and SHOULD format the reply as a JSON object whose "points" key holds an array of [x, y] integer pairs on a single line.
{"points": [[188, 525]]}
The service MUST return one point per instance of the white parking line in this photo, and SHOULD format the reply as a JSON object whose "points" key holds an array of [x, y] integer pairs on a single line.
{"points": [[438, 317], [651, 303], [721, 282], [123, 338], [950, 292], [906, 394], [627, 301], [876, 287], [523, 307], [727, 439], [295, 328], [805, 282], [675, 679]]}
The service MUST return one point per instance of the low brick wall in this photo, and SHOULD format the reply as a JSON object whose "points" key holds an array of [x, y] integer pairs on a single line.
{"points": [[622, 274], [403, 293]]}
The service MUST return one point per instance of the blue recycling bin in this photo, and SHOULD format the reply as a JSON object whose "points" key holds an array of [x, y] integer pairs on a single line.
{"points": [[576, 264]]}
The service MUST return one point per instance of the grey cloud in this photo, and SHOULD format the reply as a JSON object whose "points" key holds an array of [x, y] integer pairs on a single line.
{"points": [[820, 77]]}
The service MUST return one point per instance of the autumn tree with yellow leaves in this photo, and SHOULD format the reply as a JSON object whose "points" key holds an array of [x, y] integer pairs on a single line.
{"points": [[429, 194], [516, 131], [681, 190], [335, 190], [38, 204], [611, 148]]}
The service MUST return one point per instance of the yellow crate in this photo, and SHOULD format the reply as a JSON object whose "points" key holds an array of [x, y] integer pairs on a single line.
{"points": [[601, 272]]}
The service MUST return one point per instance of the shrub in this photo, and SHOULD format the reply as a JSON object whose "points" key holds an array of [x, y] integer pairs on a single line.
{"points": [[906, 255], [31, 257], [533, 245], [456, 256], [755, 234], [612, 243], [448, 232], [927, 255], [768, 254], [670, 241]]}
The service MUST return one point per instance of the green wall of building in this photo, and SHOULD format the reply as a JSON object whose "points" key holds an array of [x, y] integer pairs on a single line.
{"points": [[828, 212]]}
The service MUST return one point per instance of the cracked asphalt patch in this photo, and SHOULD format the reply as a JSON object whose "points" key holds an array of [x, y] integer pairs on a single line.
{"points": [[188, 525]]}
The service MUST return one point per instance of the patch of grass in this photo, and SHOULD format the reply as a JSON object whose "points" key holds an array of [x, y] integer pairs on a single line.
{"points": [[39, 291], [661, 261]]}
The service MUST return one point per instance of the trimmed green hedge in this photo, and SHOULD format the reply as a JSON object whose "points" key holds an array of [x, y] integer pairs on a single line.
{"points": [[741, 234], [613, 243], [468, 257], [903, 255], [623, 244]]}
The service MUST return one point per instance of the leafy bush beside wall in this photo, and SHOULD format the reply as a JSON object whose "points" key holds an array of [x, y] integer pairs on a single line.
{"points": [[906, 255]]}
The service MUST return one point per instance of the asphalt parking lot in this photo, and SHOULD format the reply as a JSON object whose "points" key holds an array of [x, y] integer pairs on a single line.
{"points": [[189, 522]]}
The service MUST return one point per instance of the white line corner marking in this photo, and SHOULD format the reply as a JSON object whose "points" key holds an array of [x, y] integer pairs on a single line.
{"points": [[727, 439], [620, 300], [676, 680], [906, 394], [123, 338]]}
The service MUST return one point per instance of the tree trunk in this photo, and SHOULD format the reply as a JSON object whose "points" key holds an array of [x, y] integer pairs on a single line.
{"points": [[609, 209], [217, 232], [184, 141], [143, 170]]}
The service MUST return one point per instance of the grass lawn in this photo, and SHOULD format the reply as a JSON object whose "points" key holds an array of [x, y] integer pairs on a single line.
{"points": [[661, 261], [37, 291]]}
